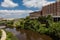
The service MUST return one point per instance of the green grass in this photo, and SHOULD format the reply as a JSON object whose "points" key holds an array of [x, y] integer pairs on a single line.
{"points": [[10, 36]]}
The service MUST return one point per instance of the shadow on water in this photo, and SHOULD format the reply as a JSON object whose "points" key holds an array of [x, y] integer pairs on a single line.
{"points": [[28, 35]]}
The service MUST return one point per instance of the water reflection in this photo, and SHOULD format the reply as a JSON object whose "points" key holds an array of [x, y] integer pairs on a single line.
{"points": [[28, 35]]}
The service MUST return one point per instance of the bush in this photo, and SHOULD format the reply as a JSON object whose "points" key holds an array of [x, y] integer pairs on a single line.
{"points": [[43, 25]]}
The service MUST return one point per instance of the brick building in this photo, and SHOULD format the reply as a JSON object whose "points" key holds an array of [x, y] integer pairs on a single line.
{"points": [[51, 9], [34, 15]]}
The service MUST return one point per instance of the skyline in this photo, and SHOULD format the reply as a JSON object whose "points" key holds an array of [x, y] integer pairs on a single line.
{"points": [[21, 8]]}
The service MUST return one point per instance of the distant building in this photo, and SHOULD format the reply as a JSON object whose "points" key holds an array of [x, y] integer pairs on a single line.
{"points": [[9, 18], [34, 15], [51, 9], [1, 19]]}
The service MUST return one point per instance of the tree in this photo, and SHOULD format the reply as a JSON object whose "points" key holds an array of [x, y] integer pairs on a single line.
{"points": [[42, 19]]}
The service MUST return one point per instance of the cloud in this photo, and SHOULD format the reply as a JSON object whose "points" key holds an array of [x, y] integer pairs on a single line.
{"points": [[14, 13], [36, 3], [8, 3]]}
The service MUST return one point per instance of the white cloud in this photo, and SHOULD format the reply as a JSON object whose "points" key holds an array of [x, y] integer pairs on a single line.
{"points": [[14, 13], [8, 3], [36, 3]]}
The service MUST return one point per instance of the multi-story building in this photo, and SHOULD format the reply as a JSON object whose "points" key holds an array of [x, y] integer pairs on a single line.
{"points": [[51, 9], [34, 15]]}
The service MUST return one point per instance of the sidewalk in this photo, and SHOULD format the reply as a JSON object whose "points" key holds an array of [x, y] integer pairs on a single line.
{"points": [[3, 35]]}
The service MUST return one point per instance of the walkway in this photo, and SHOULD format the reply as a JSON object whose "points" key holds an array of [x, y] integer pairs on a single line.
{"points": [[3, 35]]}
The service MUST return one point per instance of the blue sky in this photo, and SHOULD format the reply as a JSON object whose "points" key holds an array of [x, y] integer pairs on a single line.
{"points": [[21, 8]]}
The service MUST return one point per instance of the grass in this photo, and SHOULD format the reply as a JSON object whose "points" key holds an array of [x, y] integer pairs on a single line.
{"points": [[10, 36]]}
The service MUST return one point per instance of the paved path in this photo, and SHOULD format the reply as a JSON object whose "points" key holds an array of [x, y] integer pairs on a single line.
{"points": [[3, 35]]}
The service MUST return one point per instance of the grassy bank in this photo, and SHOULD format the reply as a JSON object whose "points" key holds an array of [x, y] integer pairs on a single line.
{"points": [[10, 36], [0, 34]]}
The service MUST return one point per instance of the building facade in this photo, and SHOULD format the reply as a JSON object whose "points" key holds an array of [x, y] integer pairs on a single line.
{"points": [[35, 14], [51, 9]]}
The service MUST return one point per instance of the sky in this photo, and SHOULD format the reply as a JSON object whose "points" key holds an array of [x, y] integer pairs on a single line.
{"points": [[21, 8]]}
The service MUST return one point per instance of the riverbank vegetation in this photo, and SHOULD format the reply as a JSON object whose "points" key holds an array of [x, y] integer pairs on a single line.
{"points": [[10, 36], [0, 34], [42, 25]]}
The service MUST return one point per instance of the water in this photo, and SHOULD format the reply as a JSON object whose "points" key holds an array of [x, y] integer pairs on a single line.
{"points": [[28, 35]]}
